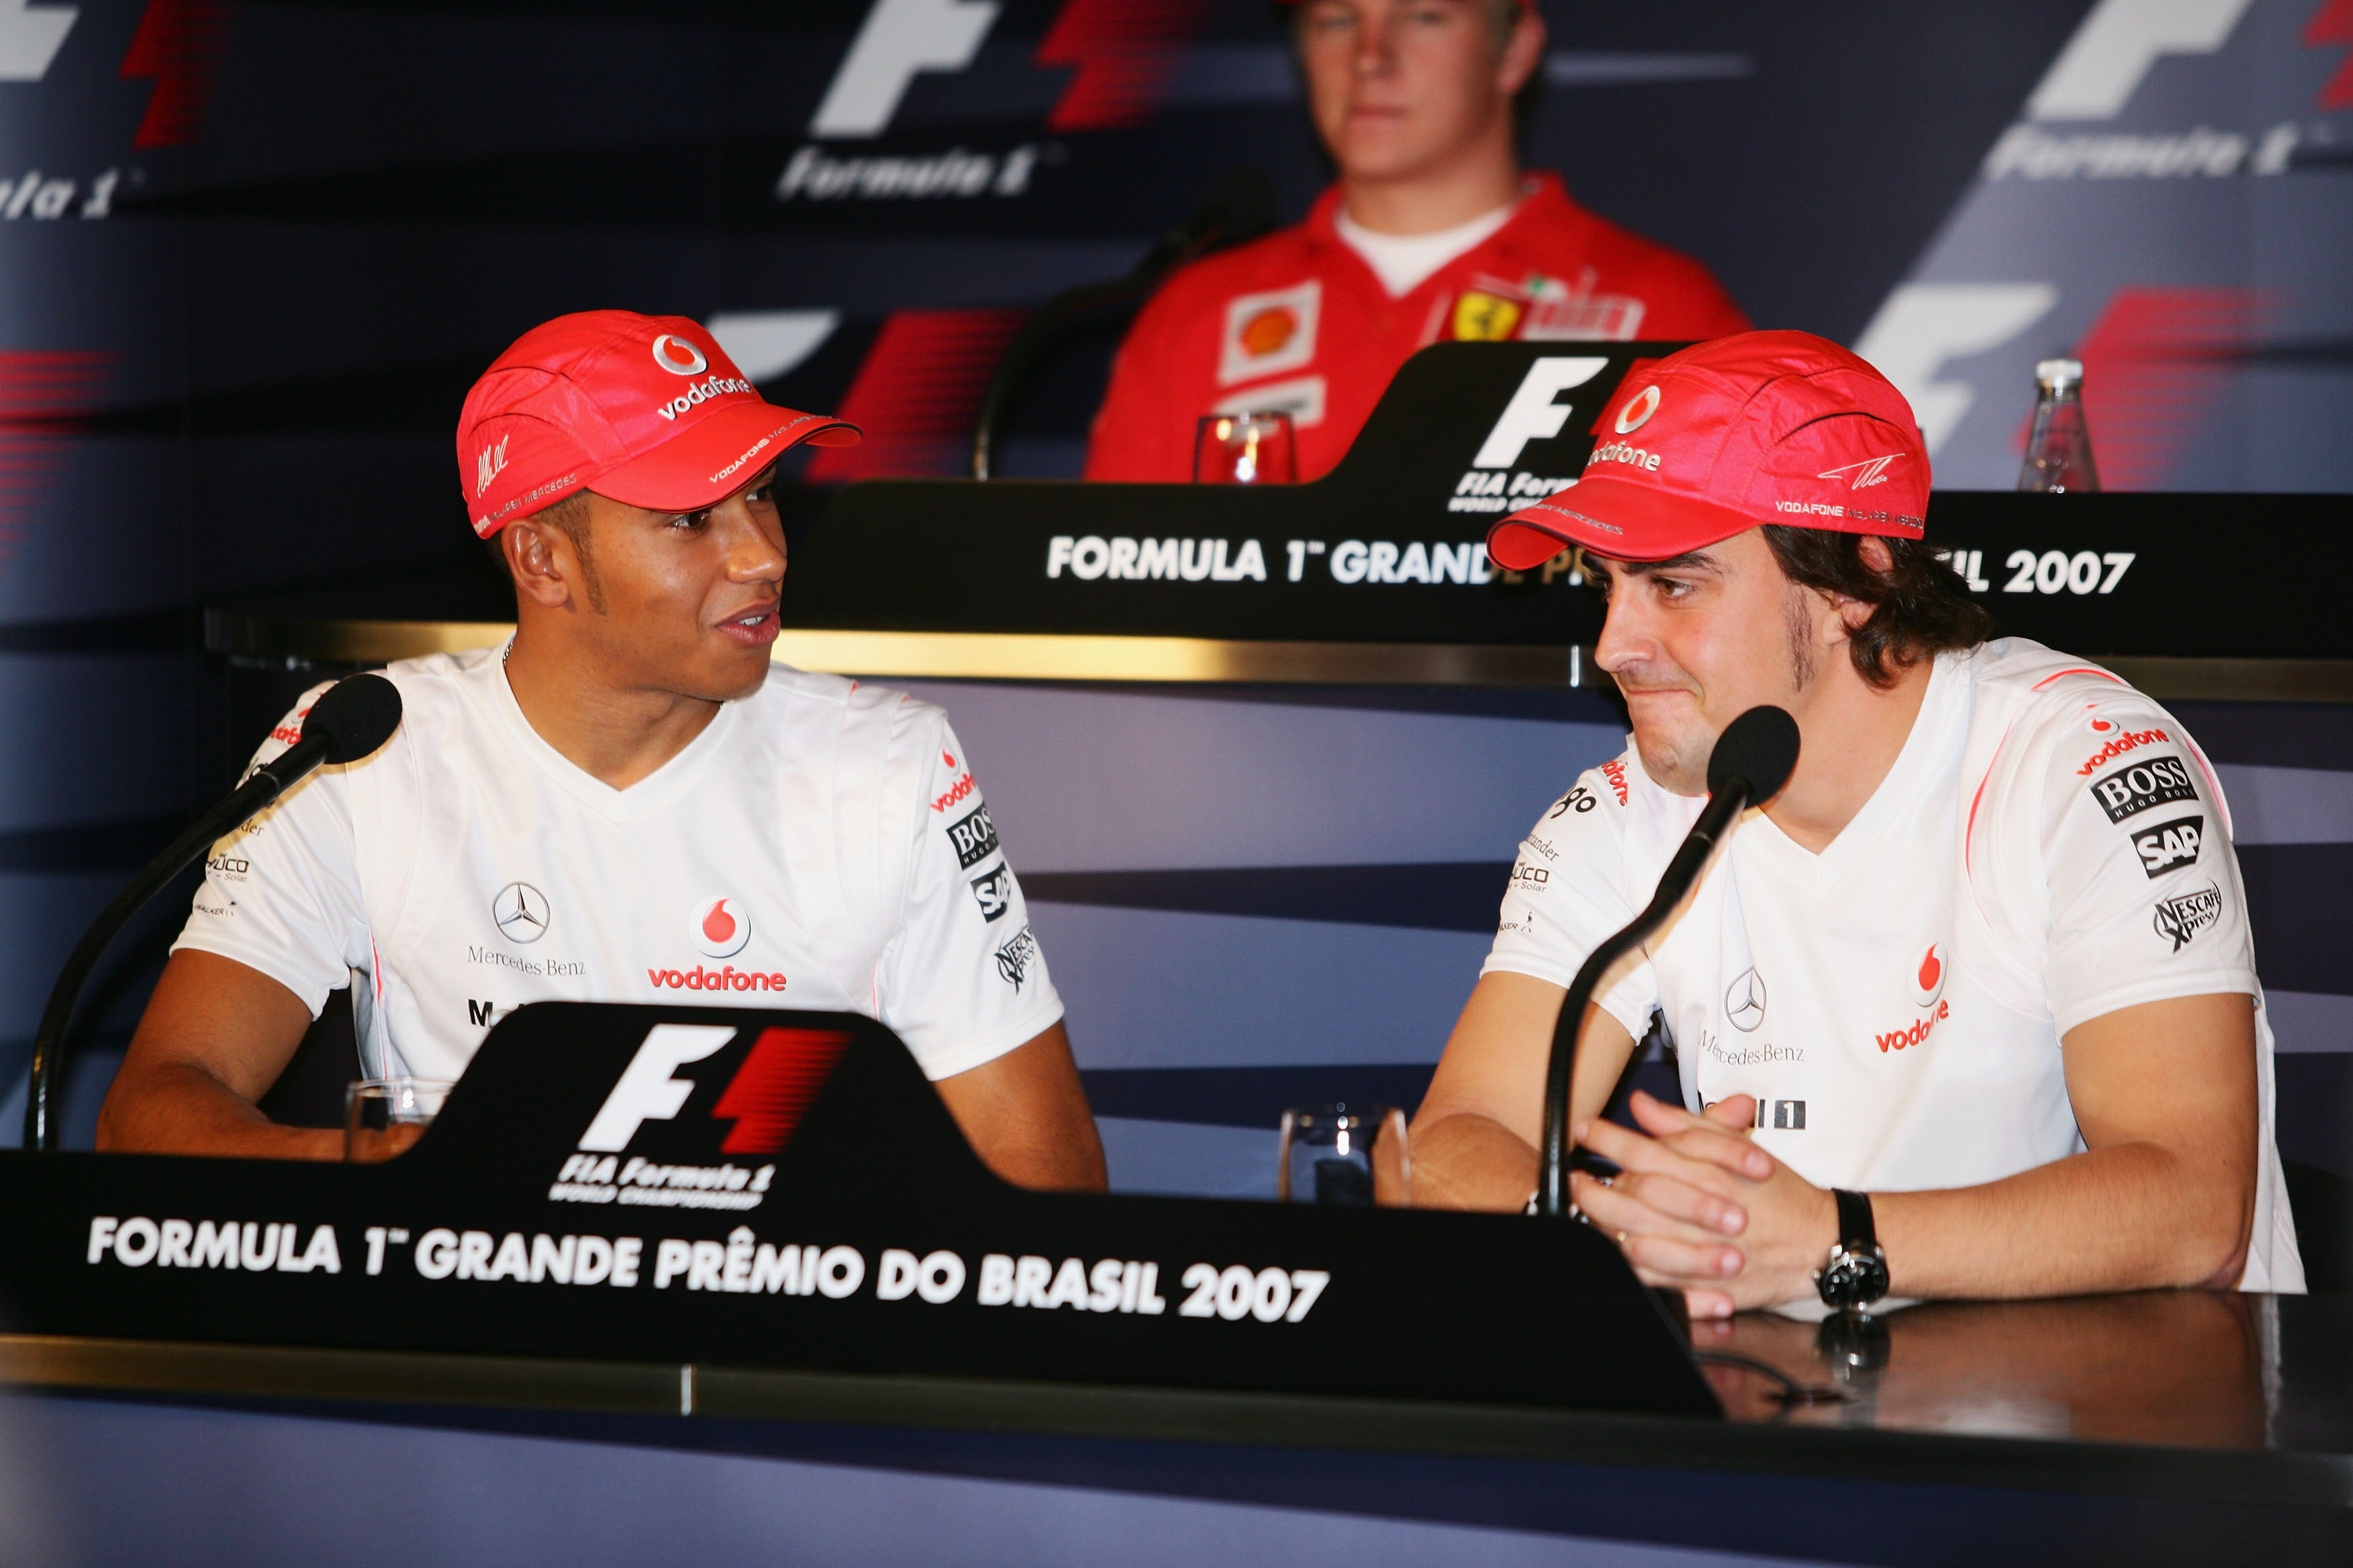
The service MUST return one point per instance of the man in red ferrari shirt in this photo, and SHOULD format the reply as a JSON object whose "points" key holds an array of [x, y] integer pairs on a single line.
{"points": [[1433, 232]]}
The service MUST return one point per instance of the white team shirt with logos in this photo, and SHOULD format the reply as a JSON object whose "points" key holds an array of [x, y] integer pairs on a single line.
{"points": [[2050, 846], [821, 845]]}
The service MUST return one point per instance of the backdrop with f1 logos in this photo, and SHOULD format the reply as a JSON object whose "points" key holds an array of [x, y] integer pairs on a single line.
{"points": [[257, 251]]}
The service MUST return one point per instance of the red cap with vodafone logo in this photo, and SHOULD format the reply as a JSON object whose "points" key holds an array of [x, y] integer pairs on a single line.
{"points": [[646, 409], [1727, 434]]}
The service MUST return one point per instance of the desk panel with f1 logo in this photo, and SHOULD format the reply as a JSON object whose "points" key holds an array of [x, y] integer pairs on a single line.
{"points": [[783, 1190]]}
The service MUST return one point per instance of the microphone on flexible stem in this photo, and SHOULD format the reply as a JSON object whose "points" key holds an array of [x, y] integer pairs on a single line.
{"points": [[350, 720], [1753, 759], [1240, 207]]}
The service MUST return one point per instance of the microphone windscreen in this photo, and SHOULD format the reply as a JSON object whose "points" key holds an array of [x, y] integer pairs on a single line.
{"points": [[354, 716], [1760, 747]]}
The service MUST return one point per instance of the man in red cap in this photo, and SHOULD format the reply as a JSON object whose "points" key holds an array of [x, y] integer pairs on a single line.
{"points": [[626, 802], [1970, 1008], [1432, 232]]}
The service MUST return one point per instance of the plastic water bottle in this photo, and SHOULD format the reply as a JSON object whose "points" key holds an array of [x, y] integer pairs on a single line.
{"points": [[2059, 448]]}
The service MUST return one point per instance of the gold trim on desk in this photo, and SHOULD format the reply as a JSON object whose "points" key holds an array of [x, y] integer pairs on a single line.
{"points": [[1014, 656], [999, 656]]}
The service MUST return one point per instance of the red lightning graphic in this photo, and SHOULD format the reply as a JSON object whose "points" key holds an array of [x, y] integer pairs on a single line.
{"points": [[44, 397], [175, 44], [917, 392], [780, 1075], [1125, 51], [2333, 23]]}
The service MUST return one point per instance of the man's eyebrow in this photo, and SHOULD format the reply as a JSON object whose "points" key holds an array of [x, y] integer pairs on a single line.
{"points": [[1689, 561]]}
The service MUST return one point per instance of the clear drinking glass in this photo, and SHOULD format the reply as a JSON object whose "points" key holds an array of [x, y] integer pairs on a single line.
{"points": [[1245, 449], [1352, 1156], [383, 1116]]}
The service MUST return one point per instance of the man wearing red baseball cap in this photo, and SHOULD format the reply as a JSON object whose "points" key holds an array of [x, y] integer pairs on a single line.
{"points": [[1970, 1008], [626, 802], [1432, 232]]}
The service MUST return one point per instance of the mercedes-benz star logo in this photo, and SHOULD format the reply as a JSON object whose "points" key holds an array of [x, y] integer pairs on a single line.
{"points": [[1744, 1001], [521, 911]]}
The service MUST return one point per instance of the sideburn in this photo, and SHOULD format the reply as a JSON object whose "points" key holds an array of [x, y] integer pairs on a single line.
{"points": [[1797, 618]]}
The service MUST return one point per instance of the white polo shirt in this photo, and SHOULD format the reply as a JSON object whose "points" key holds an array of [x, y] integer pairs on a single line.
{"points": [[2050, 846], [821, 845]]}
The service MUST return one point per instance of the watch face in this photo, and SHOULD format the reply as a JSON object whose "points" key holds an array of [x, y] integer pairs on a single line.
{"points": [[1854, 1279]]}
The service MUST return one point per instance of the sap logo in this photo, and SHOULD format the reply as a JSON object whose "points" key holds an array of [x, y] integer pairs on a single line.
{"points": [[2135, 789], [2168, 845], [974, 837], [1870, 471], [489, 464], [1532, 415], [994, 889], [900, 38]]}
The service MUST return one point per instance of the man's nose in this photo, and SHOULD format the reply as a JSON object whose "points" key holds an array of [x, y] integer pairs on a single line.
{"points": [[1624, 641], [752, 556]]}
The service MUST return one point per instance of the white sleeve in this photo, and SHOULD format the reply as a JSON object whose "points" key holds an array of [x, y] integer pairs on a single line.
{"points": [[1566, 893], [2145, 898], [281, 894], [961, 979]]}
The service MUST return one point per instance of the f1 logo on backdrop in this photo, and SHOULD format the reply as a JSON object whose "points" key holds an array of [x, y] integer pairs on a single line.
{"points": [[1533, 415], [900, 39], [30, 38]]}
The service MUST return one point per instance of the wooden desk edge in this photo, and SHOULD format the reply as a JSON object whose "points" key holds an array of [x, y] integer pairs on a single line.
{"points": [[404, 1378], [1004, 656]]}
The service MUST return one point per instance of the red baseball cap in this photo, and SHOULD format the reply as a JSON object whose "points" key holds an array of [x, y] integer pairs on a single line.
{"points": [[646, 409], [1724, 436]]}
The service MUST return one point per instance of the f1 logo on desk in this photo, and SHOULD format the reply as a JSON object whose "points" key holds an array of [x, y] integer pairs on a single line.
{"points": [[765, 1100]]}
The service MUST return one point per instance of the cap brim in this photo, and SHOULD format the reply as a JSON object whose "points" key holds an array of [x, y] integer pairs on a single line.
{"points": [[1612, 517], [716, 455]]}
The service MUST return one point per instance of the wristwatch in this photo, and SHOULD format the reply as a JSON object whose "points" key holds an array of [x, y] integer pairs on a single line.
{"points": [[1856, 1273]]}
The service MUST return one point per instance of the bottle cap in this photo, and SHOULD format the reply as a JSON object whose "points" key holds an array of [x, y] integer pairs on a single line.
{"points": [[2058, 374]]}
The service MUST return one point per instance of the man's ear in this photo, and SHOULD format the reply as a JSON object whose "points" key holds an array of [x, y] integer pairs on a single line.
{"points": [[542, 561], [1852, 613], [1522, 52]]}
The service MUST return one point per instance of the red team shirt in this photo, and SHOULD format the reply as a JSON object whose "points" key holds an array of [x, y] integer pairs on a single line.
{"points": [[1298, 321]]}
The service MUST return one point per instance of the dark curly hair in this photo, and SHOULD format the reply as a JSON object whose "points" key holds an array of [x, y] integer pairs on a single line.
{"points": [[1920, 605]]}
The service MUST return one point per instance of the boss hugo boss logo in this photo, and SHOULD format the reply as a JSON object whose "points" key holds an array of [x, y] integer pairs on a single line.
{"points": [[2128, 792], [2178, 919], [520, 912], [973, 836], [2168, 845]]}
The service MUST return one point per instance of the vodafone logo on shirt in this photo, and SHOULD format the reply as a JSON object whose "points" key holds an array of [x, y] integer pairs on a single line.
{"points": [[720, 927], [1928, 991]]}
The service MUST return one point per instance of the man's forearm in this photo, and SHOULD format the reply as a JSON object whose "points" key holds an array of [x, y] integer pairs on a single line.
{"points": [[2130, 1216], [1466, 1160], [176, 1108]]}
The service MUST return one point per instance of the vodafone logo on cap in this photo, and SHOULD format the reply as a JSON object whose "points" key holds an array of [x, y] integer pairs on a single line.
{"points": [[678, 357], [1638, 410], [719, 928]]}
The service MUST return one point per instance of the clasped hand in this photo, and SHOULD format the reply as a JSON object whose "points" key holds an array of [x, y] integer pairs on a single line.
{"points": [[1697, 1205]]}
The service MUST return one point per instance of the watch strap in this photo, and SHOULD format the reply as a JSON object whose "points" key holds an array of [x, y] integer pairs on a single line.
{"points": [[1856, 1231]]}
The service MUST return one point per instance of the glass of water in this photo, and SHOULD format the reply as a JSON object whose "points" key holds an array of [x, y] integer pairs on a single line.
{"points": [[1345, 1155], [1245, 449], [383, 1116]]}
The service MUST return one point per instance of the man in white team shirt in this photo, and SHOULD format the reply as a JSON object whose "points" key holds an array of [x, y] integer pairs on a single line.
{"points": [[1970, 1008], [624, 803]]}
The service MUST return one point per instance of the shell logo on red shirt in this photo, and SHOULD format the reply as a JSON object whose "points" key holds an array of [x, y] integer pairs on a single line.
{"points": [[1270, 332], [720, 928], [1267, 331]]}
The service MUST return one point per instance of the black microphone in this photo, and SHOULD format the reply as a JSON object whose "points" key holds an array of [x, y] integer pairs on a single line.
{"points": [[350, 720], [1240, 207], [1753, 759]]}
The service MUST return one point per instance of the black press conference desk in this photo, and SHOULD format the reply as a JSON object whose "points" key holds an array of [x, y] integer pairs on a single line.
{"points": [[2161, 1427]]}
